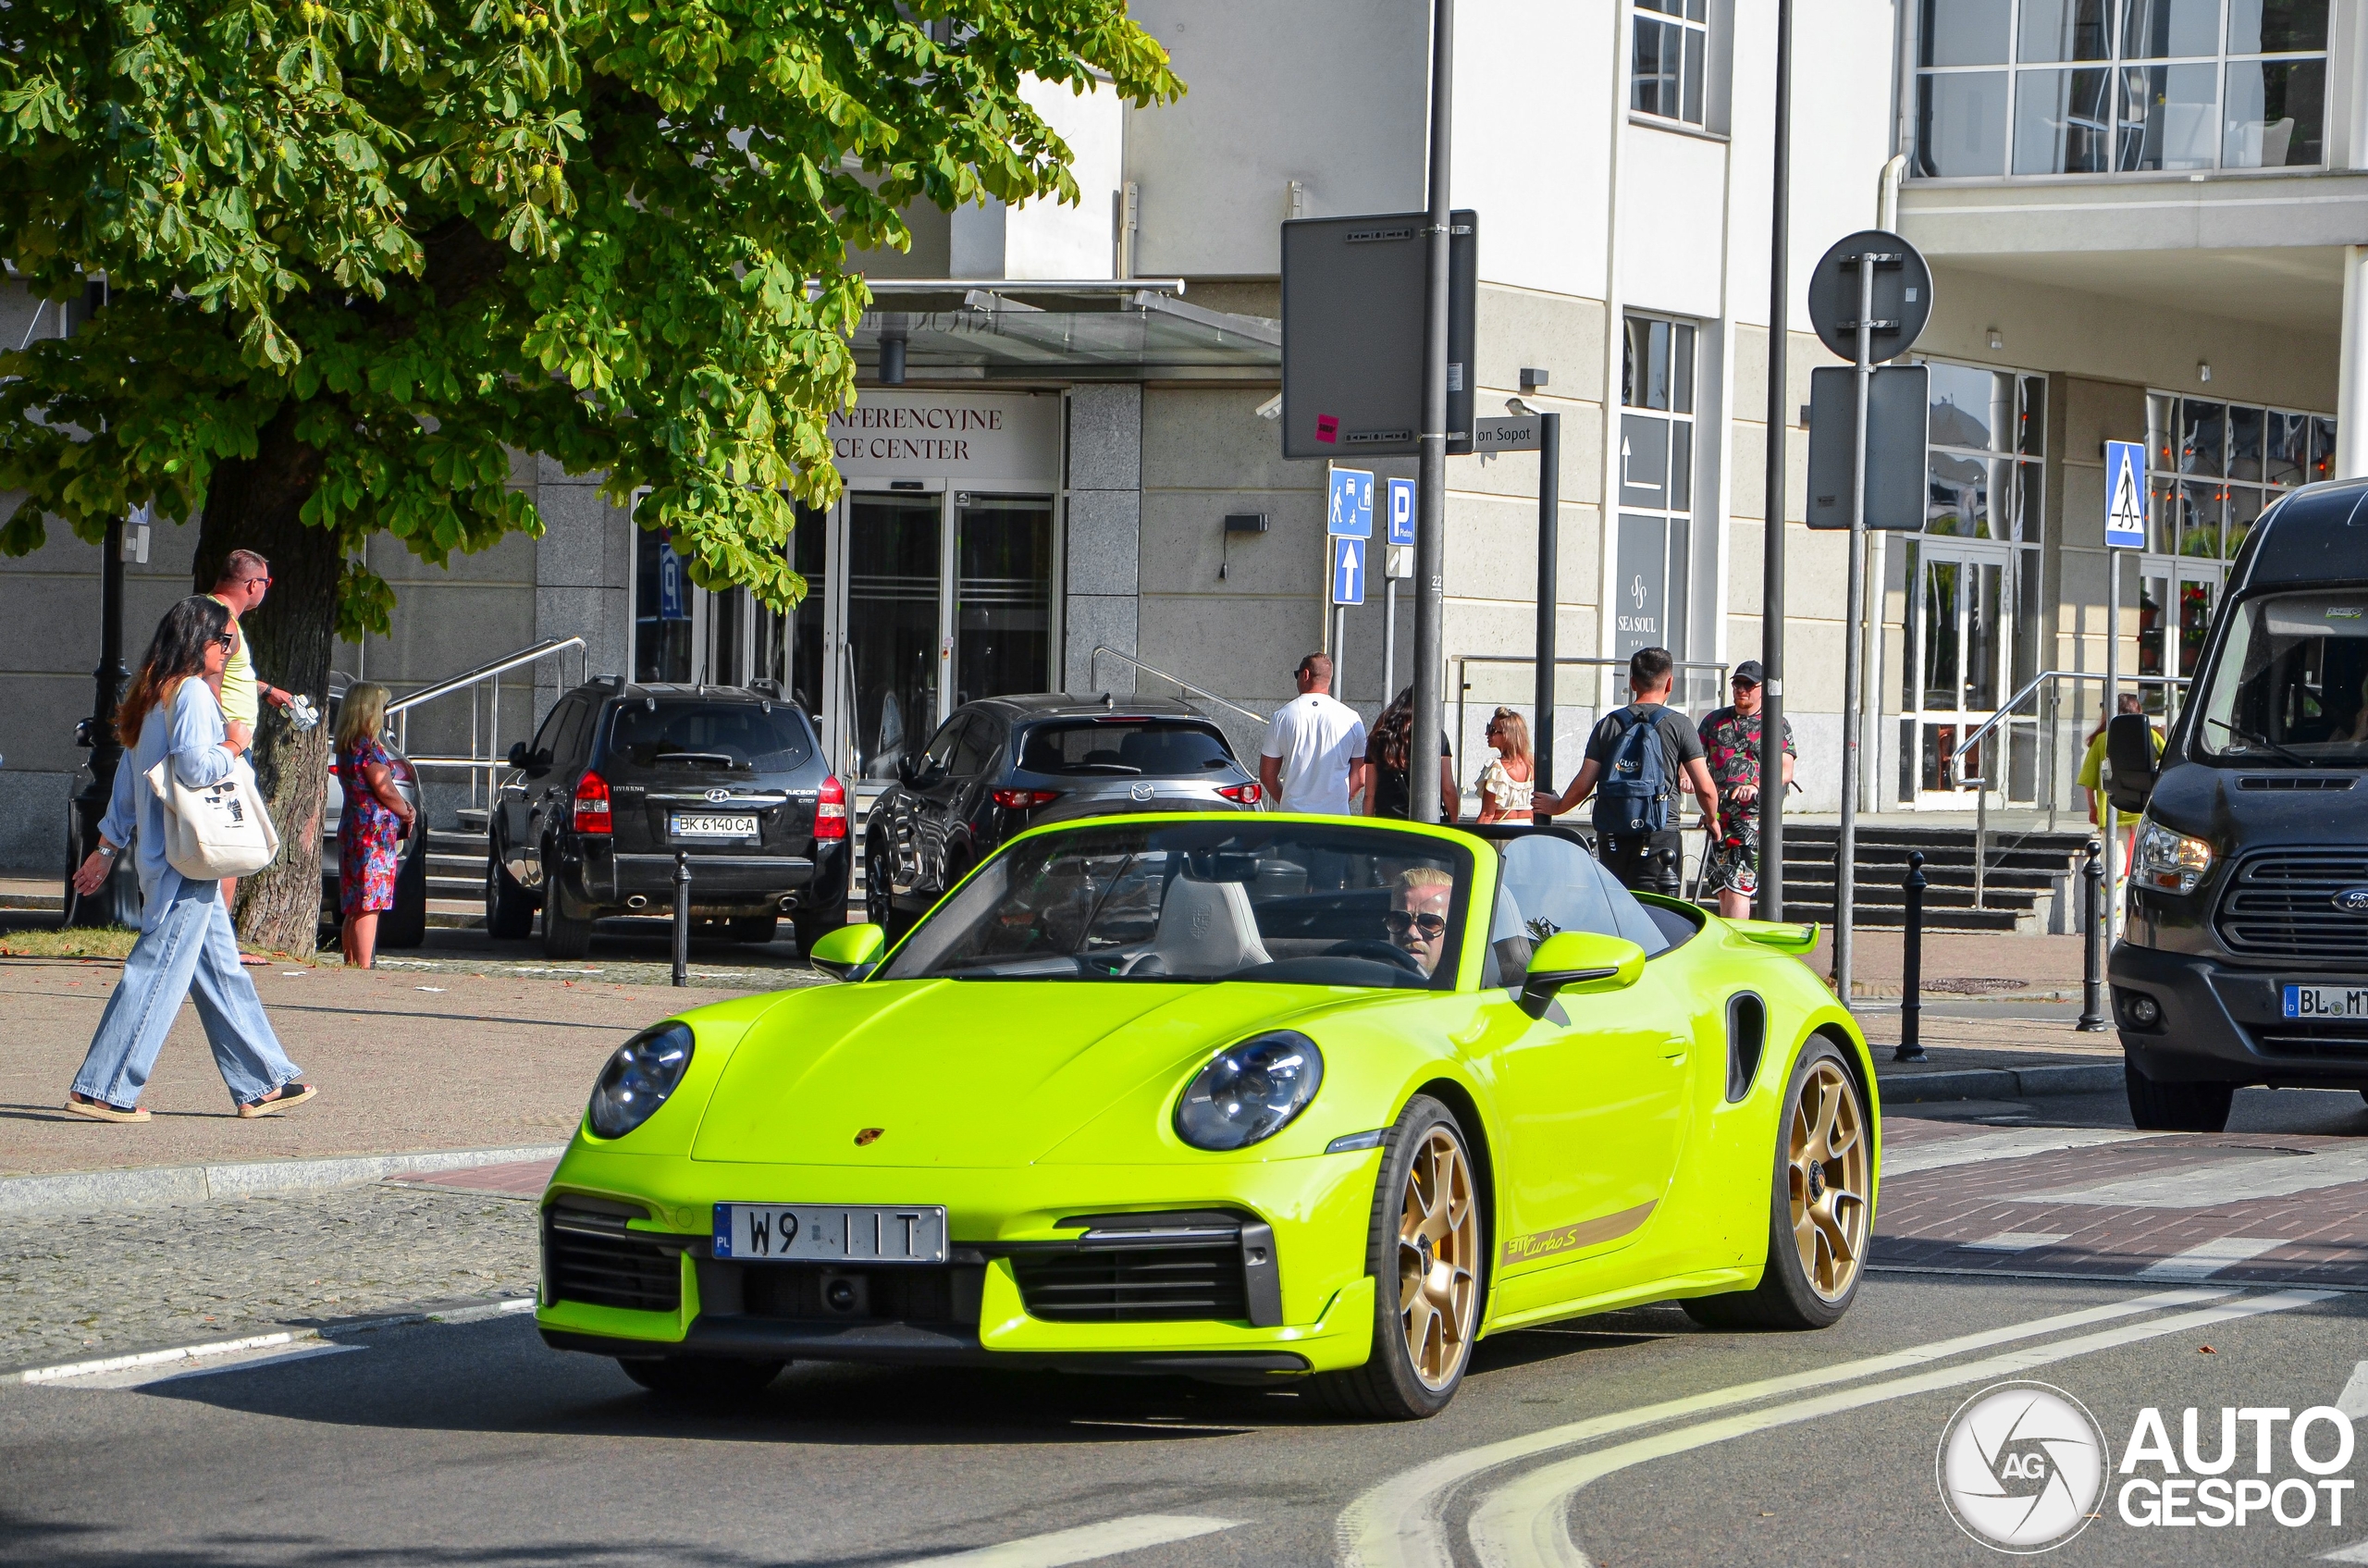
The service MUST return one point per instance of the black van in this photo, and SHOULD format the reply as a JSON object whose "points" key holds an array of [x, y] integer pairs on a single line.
{"points": [[2245, 955]]}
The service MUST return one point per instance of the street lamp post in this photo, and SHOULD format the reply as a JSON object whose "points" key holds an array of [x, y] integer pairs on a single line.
{"points": [[1771, 556]]}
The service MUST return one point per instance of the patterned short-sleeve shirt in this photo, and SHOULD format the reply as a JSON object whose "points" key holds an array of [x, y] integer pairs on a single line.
{"points": [[1730, 747]]}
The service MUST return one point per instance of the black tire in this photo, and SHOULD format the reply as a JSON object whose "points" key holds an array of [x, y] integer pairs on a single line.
{"points": [[755, 928], [405, 925], [701, 1379], [1388, 1386], [509, 909], [1786, 1298], [878, 909], [567, 925], [2157, 1107], [813, 927]]}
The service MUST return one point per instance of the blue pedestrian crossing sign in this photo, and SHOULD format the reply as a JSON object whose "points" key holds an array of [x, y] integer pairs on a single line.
{"points": [[2126, 494], [1402, 512], [1349, 509], [1347, 570]]}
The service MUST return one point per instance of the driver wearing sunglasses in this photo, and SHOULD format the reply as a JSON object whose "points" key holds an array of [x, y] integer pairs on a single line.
{"points": [[1417, 917]]}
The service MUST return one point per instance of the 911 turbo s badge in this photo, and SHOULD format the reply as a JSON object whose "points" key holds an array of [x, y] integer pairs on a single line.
{"points": [[1571, 1237]]}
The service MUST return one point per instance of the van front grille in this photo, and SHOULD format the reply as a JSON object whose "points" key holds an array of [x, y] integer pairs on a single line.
{"points": [[2280, 904]]}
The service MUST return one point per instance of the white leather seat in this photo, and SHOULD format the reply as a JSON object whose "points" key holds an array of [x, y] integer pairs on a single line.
{"points": [[1206, 928]]}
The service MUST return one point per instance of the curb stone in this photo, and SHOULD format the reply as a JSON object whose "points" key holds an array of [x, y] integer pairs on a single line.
{"points": [[462, 1310], [1999, 1084], [89, 1191]]}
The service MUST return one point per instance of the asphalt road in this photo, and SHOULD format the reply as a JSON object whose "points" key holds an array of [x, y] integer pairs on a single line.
{"points": [[1630, 1439]]}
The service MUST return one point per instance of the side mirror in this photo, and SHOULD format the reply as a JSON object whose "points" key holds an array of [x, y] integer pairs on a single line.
{"points": [[849, 952], [2130, 753], [517, 753], [1579, 960], [906, 771]]}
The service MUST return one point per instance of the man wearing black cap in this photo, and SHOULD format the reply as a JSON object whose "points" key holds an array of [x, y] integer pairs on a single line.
{"points": [[1730, 747]]}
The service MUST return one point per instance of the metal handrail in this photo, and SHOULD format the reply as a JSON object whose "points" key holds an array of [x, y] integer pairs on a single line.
{"points": [[1093, 677], [501, 666], [2006, 710], [488, 675]]}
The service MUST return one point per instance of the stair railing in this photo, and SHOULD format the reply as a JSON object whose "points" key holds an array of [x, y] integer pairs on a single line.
{"points": [[485, 678], [2077, 678], [1093, 678]]}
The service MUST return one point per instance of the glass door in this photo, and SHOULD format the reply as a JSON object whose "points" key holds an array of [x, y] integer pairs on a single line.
{"points": [[890, 692], [1954, 675], [1003, 599], [2176, 596]]}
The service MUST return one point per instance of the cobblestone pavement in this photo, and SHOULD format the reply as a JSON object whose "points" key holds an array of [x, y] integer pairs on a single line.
{"points": [[105, 1284]]}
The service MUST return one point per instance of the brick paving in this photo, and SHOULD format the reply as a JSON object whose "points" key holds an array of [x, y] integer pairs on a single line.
{"points": [[1934, 1218]]}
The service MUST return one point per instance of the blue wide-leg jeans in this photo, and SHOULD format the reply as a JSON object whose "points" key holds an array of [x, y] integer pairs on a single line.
{"points": [[186, 948]]}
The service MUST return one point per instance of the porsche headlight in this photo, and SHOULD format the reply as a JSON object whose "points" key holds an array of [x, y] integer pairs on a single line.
{"points": [[2167, 861], [638, 1078], [1249, 1091]]}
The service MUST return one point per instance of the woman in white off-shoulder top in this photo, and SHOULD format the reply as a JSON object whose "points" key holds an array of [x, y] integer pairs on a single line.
{"points": [[1507, 781]]}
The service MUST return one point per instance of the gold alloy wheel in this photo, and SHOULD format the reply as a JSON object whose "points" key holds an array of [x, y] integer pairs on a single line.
{"points": [[1438, 1242], [1826, 1151]]}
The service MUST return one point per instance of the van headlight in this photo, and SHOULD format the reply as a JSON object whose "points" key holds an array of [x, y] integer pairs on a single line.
{"points": [[2168, 861], [638, 1078], [1249, 1091]]}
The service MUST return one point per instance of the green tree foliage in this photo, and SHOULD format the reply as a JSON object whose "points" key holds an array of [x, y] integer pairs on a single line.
{"points": [[357, 251]]}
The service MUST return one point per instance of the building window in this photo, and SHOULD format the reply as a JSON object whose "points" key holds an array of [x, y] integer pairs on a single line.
{"points": [[2214, 466], [2118, 86], [1671, 54], [1988, 435], [1656, 485]]}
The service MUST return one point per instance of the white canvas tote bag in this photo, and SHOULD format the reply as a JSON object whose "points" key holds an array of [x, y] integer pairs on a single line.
{"points": [[221, 830]]}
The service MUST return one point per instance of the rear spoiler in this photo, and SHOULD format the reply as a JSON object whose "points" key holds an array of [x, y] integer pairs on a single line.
{"points": [[1782, 935]]}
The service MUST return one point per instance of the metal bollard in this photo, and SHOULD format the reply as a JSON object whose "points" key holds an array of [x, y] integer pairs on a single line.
{"points": [[682, 918], [2092, 968], [1911, 973]]}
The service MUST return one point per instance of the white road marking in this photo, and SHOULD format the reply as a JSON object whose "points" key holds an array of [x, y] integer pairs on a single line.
{"points": [[479, 1313], [2356, 1552], [1525, 1523], [2353, 1401], [214, 1366], [2207, 1258], [1400, 1522], [2221, 1180], [2006, 1143], [1087, 1543], [156, 1358], [2016, 1241]]}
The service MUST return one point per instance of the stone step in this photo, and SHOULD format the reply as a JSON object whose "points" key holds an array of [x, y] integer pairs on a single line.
{"points": [[1879, 917]]}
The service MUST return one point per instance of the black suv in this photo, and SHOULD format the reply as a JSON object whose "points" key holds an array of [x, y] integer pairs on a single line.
{"points": [[2245, 957], [1006, 763], [622, 776]]}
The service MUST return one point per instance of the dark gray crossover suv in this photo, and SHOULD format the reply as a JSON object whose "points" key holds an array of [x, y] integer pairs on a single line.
{"points": [[622, 776], [2245, 957], [1007, 763]]}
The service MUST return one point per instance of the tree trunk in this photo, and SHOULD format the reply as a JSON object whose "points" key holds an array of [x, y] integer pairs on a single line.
{"points": [[253, 503]]}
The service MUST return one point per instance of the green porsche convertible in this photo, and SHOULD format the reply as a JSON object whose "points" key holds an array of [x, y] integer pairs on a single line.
{"points": [[1241, 1097]]}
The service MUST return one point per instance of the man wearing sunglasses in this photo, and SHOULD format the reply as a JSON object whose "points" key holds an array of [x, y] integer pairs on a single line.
{"points": [[1417, 917]]}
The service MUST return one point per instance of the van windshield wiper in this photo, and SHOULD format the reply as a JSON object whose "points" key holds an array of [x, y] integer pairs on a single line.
{"points": [[2296, 758]]}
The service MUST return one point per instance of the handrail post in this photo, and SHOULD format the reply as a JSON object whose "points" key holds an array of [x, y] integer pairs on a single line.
{"points": [[1911, 970], [1980, 836], [682, 916], [2092, 983]]}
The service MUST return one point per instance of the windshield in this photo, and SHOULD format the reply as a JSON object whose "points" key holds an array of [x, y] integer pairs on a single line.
{"points": [[2291, 686], [1162, 749], [744, 736], [1292, 904]]}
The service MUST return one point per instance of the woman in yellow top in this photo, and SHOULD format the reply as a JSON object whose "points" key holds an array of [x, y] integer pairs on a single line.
{"points": [[2092, 777]]}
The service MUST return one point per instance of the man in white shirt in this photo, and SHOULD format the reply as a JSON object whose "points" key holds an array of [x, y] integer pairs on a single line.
{"points": [[1313, 758]]}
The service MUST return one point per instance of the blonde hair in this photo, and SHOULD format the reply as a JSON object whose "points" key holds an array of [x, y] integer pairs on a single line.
{"points": [[1516, 729], [1416, 878], [363, 714]]}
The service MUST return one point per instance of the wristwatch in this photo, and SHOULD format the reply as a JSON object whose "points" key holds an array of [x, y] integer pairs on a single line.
{"points": [[107, 851]]}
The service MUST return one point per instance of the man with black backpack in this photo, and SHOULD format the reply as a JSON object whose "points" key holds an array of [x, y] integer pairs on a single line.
{"points": [[1643, 754]]}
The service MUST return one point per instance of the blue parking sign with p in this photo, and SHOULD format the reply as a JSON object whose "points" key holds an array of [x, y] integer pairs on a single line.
{"points": [[1347, 570], [1348, 510], [1402, 512]]}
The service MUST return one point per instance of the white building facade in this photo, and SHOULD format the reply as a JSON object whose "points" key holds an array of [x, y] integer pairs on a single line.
{"points": [[2139, 212]]}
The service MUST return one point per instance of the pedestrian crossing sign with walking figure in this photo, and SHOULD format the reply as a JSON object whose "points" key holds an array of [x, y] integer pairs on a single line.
{"points": [[2126, 494]]}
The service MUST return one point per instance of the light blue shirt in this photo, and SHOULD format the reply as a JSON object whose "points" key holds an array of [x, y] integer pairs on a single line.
{"points": [[192, 735]]}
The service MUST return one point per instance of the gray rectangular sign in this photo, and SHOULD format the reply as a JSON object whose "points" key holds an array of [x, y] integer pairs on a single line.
{"points": [[1519, 433], [1353, 334], [1898, 403]]}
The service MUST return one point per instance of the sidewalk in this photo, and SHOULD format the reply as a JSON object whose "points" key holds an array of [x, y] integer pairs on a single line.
{"points": [[1962, 964], [404, 1060]]}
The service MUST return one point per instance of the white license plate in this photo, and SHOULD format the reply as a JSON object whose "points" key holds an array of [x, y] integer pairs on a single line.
{"points": [[683, 826], [2327, 1001], [829, 1233]]}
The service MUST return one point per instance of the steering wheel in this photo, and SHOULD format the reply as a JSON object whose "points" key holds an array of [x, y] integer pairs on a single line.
{"points": [[1379, 952]]}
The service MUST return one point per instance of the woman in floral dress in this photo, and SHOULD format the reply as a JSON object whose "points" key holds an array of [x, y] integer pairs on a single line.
{"points": [[372, 823]]}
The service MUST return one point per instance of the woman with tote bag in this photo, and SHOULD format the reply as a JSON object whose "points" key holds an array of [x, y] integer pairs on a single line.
{"points": [[186, 947]]}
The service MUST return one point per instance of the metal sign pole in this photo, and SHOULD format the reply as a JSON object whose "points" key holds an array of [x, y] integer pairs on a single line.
{"points": [[1549, 592], [1846, 854], [1771, 547], [1430, 518], [1339, 651], [2109, 820], [1389, 636]]}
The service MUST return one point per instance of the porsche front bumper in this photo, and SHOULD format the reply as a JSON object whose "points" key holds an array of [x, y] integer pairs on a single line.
{"points": [[1259, 1271]]}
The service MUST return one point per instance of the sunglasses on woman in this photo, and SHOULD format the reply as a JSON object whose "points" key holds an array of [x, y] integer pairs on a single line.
{"points": [[1401, 921], [227, 640]]}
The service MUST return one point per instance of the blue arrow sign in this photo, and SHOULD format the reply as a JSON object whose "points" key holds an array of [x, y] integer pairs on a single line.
{"points": [[1349, 509], [1347, 570], [1402, 512], [2126, 494]]}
